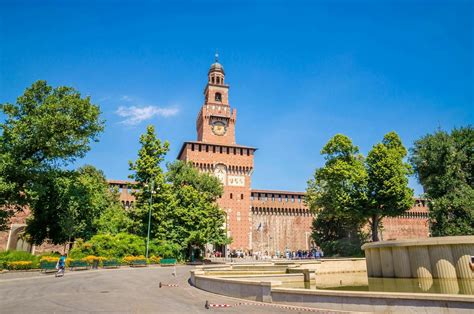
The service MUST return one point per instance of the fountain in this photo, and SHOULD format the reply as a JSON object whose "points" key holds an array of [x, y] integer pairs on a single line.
{"points": [[440, 264]]}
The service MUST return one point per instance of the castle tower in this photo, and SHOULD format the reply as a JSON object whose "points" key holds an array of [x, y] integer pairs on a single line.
{"points": [[216, 152], [216, 120]]}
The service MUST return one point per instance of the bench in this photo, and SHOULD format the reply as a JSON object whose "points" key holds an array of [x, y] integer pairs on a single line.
{"points": [[48, 266], [138, 263], [78, 265], [111, 263], [168, 262]]}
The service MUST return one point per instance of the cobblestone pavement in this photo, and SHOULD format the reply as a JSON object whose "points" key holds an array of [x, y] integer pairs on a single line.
{"points": [[125, 290]]}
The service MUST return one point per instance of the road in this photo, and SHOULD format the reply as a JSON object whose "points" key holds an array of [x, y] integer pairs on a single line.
{"points": [[125, 290]]}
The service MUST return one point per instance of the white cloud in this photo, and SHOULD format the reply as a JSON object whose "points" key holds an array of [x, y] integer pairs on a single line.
{"points": [[134, 115], [126, 98]]}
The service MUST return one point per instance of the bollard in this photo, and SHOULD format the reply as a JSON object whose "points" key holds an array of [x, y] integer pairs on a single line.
{"points": [[160, 284]]}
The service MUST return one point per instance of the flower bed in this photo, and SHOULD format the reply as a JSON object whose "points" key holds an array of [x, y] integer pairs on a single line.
{"points": [[135, 260], [19, 265], [154, 259]]}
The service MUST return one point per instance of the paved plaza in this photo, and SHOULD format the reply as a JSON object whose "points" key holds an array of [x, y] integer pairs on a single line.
{"points": [[126, 290]]}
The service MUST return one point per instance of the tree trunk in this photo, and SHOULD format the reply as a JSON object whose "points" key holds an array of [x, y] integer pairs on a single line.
{"points": [[375, 228]]}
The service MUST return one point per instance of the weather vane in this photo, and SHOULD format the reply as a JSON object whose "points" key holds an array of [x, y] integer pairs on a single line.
{"points": [[217, 56]]}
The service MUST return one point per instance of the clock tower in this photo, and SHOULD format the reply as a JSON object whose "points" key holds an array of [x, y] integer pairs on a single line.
{"points": [[217, 153], [216, 120]]}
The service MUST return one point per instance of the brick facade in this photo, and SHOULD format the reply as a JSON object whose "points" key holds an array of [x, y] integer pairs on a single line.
{"points": [[280, 221], [12, 239], [413, 224], [216, 152]]}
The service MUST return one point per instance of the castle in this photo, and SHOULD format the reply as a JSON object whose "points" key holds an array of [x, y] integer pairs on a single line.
{"points": [[257, 220]]}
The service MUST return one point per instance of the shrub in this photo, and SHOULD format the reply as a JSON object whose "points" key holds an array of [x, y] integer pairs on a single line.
{"points": [[91, 259], [154, 259], [16, 256], [120, 245], [19, 265], [166, 249], [49, 259], [129, 260]]}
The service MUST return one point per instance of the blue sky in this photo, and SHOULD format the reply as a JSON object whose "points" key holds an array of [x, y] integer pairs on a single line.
{"points": [[299, 72]]}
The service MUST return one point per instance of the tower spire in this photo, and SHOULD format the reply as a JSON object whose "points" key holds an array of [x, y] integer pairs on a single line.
{"points": [[217, 56]]}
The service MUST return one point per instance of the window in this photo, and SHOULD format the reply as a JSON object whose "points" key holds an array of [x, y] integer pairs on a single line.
{"points": [[231, 195], [212, 80], [241, 196], [218, 97]]}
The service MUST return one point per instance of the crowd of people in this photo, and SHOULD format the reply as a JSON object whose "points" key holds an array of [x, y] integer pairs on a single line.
{"points": [[314, 253]]}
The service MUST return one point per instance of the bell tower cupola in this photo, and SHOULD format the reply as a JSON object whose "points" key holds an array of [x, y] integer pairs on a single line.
{"points": [[216, 120], [216, 73], [216, 92]]}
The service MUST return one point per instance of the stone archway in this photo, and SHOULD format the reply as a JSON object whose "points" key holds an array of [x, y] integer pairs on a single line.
{"points": [[16, 241]]}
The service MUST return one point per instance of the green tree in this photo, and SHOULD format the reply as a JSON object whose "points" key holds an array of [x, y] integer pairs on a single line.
{"points": [[113, 220], [337, 193], [68, 204], [150, 182], [45, 129], [184, 213], [197, 219], [444, 165], [388, 194]]}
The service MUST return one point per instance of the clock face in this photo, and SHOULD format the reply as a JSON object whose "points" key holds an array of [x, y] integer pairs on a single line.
{"points": [[219, 128]]}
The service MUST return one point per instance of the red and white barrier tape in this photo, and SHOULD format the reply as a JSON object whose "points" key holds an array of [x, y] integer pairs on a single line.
{"points": [[288, 307], [209, 305], [168, 285]]}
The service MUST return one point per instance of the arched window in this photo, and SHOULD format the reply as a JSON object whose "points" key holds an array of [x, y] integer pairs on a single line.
{"points": [[218, 97], [212, 80]]}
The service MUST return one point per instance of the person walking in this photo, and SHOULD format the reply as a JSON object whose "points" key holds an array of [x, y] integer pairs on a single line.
{"points": [[61, 266]]}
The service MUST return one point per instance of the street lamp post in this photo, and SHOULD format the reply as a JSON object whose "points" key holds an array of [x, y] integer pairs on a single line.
{"points": [[149, 218]]}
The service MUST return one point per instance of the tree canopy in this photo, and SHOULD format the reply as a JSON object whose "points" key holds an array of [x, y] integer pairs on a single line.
{"points": [[336, 194], [444, 165], [350, 191], [45, 128], [68, 204], [184, 213], [388, 194]]}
